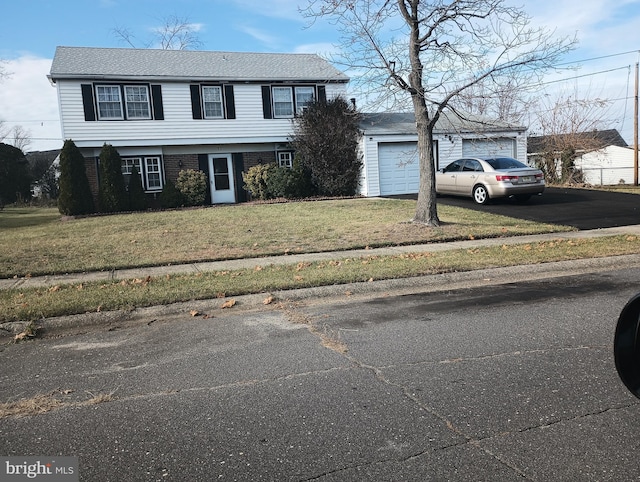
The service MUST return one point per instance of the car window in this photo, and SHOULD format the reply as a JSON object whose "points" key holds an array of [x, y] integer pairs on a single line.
{"points": [[454, 166], [472, 165], [504, 163]]}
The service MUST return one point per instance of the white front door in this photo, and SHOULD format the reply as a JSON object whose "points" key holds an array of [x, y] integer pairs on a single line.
{"points": [[221, 179]]}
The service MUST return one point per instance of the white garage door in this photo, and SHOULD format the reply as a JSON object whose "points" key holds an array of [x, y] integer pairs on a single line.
{"points": [[505, 147], [399, 168]]}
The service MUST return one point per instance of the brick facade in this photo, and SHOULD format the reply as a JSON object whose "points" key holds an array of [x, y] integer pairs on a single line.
{"points": [[172, 165]]}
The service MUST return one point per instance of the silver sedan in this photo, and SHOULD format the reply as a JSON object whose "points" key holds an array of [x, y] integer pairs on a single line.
{"points": [[484, 179]]}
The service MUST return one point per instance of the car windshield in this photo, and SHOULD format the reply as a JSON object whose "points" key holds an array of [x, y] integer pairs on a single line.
{"points": [[499, 163]]}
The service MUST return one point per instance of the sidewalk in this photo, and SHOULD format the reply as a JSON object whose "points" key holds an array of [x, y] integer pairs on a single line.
{"points": [[77, 278]]}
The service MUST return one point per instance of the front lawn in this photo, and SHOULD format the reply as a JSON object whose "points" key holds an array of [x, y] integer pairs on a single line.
{"points": [[36, 241]]}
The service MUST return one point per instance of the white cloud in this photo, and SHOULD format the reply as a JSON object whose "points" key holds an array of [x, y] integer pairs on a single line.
{"points": [[28, 99], [270, 41], [324, 49]]}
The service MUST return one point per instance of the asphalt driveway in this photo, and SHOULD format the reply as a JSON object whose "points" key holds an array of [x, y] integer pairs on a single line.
{"points": [[581, 208]]}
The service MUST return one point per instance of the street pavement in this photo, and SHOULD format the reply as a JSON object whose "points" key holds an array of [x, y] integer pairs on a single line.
{"points": [[510, 378]]}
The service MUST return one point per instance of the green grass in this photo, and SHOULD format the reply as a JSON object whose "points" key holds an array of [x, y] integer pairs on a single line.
{"points": [[37, 241]]}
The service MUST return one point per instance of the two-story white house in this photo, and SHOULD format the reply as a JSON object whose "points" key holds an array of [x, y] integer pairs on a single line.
{"points": [[169, 110]]}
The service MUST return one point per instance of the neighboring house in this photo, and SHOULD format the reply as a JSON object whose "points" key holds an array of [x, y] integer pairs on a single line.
{"points": [[44, 164], [606, 166], [169, 110], [581, 141], [389, 148]]}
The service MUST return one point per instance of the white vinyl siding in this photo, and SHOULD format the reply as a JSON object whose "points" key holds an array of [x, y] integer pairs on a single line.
{"points": [[178, 126]]}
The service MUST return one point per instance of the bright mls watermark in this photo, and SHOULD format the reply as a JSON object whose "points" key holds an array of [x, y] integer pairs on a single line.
{"points": [[50, 469]]}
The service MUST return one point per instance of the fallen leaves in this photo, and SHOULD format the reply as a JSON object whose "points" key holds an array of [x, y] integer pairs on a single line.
{"points": [[228, 304], [268, 300]]}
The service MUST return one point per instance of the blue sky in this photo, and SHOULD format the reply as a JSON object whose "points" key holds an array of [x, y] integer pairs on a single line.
{"points": [[33, 28]]}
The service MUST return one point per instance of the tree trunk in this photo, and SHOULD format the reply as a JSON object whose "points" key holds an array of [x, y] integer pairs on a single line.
{"points": [[426, 207]]}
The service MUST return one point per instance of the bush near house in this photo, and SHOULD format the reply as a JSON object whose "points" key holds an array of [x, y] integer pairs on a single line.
{"points": [[192, 185], [112, 192], [137, 197], [326, 141], [170, 197], [15, 178], [75, 196], [268, 181]]}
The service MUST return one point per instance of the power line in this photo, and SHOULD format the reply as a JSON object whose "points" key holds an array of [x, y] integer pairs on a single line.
{"points": [[600, 58], [585, 75]]}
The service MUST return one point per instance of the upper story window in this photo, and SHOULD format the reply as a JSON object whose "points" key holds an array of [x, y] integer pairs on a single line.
{"points": [[109, 102], [122, 102], [137, 100], [282, 101], [304, 96], [212, 102]]}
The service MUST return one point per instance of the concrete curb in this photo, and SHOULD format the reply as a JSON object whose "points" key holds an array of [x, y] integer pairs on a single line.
{"points": [[337, 293]]}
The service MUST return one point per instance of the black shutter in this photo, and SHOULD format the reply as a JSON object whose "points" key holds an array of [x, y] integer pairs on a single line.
{"points": [[196, 107], [266, 102], [322, 93], [230, 102], [238, 169], [156, 99], [203, 165], [87, 102]]}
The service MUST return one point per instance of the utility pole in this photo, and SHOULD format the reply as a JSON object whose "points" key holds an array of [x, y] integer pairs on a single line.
{"points": [[635, 132]]}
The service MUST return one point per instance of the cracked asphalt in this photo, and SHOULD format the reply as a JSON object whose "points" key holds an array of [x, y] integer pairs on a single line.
{"points": [[505, 379]]}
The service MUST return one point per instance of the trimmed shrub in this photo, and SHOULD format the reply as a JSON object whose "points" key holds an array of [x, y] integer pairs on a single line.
{"points": [[112, 193], [15, 177], [192, 185], [268, 181], [170, 197], [75, 196], [137, 197], [255, 180]]}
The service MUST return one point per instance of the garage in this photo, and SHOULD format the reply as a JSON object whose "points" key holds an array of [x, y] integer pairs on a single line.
{"points": [[399, 168], [500, 146]]}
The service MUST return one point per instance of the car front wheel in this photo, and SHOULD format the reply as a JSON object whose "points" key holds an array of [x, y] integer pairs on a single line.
{"points": [[480, 194]]}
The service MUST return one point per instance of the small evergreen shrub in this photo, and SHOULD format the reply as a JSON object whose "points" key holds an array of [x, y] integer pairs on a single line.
{"points": [[170, 197], [192, 185], [75, 196], [112, 193], [137, 197], [15, 176]]}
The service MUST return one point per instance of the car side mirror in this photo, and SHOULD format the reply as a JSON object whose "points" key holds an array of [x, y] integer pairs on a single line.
{"points": [[626, 345]]}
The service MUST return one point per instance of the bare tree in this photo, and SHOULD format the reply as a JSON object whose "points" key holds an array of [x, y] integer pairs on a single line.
{"points": [[443, 49], [568, 125], [175, 33], [19, 137]]}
